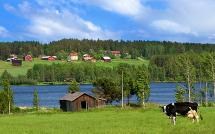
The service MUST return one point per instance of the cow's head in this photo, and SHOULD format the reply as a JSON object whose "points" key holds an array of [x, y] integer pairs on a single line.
{"points": [[163, 108]]}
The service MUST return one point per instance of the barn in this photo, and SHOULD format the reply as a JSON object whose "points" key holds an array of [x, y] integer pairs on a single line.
{"points": [[77, 101], [87, 57], [50, 58], [116, 53], [106, 59], [27, 58], [17, 62], [73, 56]]}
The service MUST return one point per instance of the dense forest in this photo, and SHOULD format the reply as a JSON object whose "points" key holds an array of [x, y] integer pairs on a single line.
{"points": [[136, 49]]}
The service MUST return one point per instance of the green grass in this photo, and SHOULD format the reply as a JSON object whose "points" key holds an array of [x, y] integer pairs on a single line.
{"points": [[106, 121], [21, 70], [15, 71]]}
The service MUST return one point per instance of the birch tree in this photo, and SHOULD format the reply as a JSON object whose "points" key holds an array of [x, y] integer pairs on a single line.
{"points": [[188, 71], [142, 86], [210, 68], [8, 95]]}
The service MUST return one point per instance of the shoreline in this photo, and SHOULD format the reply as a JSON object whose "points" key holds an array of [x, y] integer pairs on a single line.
{"points": [[67, 83]]}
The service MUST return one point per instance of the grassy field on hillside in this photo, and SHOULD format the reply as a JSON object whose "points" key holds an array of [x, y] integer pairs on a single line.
{"points": [[106, 121], [15, 71]]}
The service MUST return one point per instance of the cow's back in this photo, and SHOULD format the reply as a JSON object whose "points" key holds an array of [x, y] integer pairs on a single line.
{"points": [[183, 107]]}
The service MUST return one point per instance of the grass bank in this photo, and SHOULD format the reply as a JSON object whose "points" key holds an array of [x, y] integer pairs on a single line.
{"points": [[22, 70], [106, 121]]}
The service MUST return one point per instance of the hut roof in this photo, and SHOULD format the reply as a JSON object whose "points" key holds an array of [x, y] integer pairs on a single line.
{"points": [[74, 96], [106, 57]]}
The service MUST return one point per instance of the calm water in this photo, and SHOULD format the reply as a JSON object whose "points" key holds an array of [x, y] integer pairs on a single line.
{"points": [[162, 93]]}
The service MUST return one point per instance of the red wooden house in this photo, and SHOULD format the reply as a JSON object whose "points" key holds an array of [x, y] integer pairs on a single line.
{"points": [[116, 53], [27, 58], [51, 58], [73, 56], [87, 57]]}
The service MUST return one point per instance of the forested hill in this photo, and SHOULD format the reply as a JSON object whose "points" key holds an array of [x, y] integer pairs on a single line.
{"points": [[134, 48]]}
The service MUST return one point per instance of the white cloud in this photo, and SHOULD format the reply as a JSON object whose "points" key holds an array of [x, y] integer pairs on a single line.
{"points": [[47, 24], [171, 27], [198, 14], [178, 20], [131, 8], [3, 32], [9, 7], [65, 25]]}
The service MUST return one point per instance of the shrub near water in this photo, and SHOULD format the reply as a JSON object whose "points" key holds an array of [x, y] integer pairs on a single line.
{"points": [[106, 121]]}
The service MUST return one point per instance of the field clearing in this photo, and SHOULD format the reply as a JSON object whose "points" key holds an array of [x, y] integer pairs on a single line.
{"points": [[15, 71], [106, 121]]}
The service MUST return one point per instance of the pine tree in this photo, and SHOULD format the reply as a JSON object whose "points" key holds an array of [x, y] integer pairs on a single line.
{"points": [[179, 95], [74, 87]]}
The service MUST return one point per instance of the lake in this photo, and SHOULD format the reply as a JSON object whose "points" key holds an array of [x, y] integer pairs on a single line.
{"points": [[49, 95]]}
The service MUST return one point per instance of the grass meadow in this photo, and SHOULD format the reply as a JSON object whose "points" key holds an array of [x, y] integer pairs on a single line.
{"points": [[22, 70], [106, 121]]}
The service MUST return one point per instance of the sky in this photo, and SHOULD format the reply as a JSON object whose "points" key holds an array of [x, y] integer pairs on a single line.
{"points": [[157, 20]]}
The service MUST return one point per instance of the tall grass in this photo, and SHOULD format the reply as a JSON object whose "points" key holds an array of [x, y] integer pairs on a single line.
{"points": [[106, 121]]}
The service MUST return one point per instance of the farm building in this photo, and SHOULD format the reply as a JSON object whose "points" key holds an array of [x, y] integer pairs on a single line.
{"points": [[50, 58], [101, 102], [87, 57], [27, 58], [12, 57], [73, 56], [16, 62], [106, 59], [77, 101], [116, 53]]}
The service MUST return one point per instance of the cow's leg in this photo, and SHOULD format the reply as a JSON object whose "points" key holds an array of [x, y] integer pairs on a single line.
{"points": [[174, 120], [197, 118]]}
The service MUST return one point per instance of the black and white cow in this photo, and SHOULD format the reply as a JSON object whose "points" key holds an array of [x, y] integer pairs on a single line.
{"points": [[181, 108]]}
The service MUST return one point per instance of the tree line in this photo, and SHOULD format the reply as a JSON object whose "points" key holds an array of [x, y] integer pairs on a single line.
{"points": [[136, 49], [187, 67]]}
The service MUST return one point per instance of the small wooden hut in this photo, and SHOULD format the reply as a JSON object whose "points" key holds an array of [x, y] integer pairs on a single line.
{"points": [[106, 59], [73, 56], [17, 62], [80, 101], [27, 58]]}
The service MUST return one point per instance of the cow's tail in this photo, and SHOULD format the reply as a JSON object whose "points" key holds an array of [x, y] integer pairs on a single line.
{"points": [[200, 115]]}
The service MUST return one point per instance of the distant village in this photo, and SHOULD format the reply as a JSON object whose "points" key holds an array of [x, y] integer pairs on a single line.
{"points": [[72, 57]]}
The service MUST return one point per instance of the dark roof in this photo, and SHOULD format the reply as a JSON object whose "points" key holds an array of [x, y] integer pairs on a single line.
{"points": [[74, 96]]}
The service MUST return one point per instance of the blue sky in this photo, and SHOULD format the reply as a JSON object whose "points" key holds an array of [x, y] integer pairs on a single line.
{"points": [[48, 20]]}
